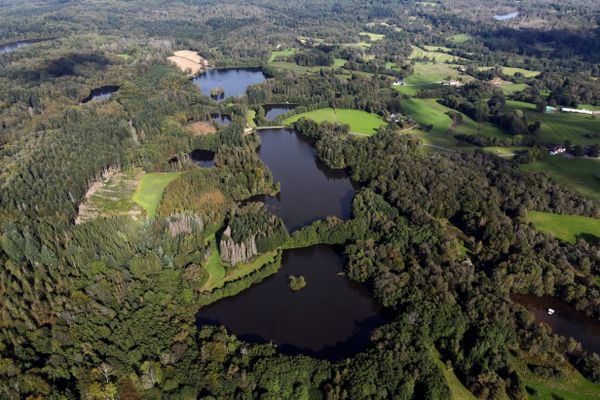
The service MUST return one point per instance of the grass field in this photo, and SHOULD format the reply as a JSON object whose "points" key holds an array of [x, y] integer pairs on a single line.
{"points": [[513, 88], [506, 152], [460, 38], [436, 56], [430, 112], [558, 127], [511, 71], [151, 188], [290, 66], [457, 390], [572, 387], [250, 115], [580, 175], [282, 53], [359, 121], [429, 76], [565, 227], [373, 37]]}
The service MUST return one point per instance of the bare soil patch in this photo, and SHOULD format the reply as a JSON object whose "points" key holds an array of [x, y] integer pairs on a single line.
{"points": [[201, 128], [189, 61]]}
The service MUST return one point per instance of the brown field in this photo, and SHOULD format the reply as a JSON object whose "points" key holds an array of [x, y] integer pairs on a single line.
{"points": [[200, 128], [499, 82], [189, 61]]}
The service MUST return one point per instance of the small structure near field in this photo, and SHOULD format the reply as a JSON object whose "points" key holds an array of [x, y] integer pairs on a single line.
{"points": [[399, 83], [557, 150], [452, 82]]}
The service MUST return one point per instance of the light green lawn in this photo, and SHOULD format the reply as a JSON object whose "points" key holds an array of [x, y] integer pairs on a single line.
{"points": [[513, 88], [558, 127], [290, 66], [242, 270], [581, 175], [250, 115], [151, 188], [359, 121], [588, 107], [373, 37], [511, 71], [282, 53], [338, 62], [436, 56], [430, 76], [214, 267], [565, 227], [457, 390], [460, 38]]}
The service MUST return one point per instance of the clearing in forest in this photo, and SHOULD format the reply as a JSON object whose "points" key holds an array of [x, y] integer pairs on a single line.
{"points": [[512, 71], [460, 38], [566, 227], [434, 55], [282, 53], [359, 121], [201, 128], [111, 197], [189, 61], [373, 37], [151, 188]]}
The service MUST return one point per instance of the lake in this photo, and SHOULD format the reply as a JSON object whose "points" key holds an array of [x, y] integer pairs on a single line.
{"points": [[332, 317], [505, 17], [566, 320], [222, 119], [272, 111], [309, 190], [233, 80], [10, 47], [101, 93]]}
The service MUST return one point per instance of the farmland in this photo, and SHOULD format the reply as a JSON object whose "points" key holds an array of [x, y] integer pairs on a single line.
{"points": [[434, 55], [282, 53], [359, 121]]}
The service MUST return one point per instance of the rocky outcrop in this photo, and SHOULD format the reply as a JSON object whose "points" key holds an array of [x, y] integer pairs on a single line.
{"points": [[235, 253]]}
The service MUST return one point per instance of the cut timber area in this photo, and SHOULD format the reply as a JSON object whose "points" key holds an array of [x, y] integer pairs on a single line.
{"points": [[200, 128], [189, 61]]}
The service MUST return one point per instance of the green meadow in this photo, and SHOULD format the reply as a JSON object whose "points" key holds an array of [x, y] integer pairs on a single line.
{"points": [[558, 127], [373, 37], [437, 56], [460, 38], [151, 188], [430, 112], [282, 53], [579, 174], [511, 71], [565, 227], [457, 390], [359, 121], [430, 76]]}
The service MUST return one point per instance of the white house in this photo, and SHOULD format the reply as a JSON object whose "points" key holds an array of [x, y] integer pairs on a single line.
{"points": [[578, 111]]}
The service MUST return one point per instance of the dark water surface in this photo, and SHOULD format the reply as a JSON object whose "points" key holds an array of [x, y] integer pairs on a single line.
{"points": [[233, 80], [332, 317], [309, 190], [101, 93], [203, 158], [10, 47], [566, 320], [272, 111], [222, 119]]}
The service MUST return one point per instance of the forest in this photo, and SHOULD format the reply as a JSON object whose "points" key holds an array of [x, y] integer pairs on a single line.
{"points": [[440, 230]]}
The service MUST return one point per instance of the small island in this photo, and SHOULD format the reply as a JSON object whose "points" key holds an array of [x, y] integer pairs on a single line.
{"points": [[296, 283], [217, 92]]}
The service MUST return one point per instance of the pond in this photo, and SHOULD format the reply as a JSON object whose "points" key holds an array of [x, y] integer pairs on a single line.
{"points": [[203, 158], [332, 317], [222, 119], [272, 111], [566, 320], [233, 80], [101, 93], [505, 17], [10, 47]]}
